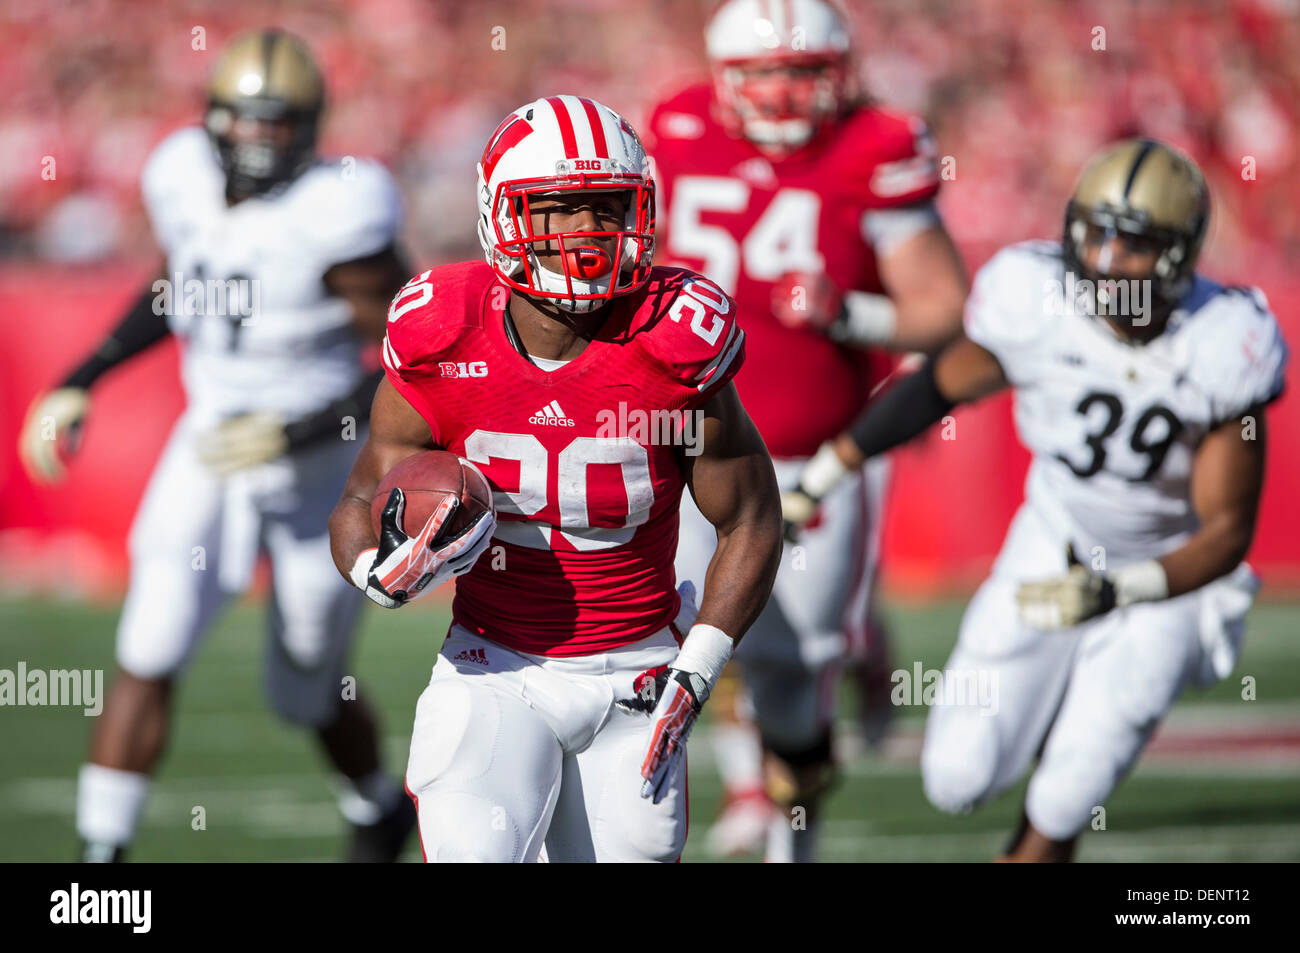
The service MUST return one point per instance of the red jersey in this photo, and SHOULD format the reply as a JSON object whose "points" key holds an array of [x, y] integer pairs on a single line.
{"points": [[585, 462], [744, 220]]}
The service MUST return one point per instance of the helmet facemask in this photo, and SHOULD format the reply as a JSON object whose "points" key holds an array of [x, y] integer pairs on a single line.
{"points": [[266, 96], [1110, 294], [265, 162], [783, 111], [588, 276]]}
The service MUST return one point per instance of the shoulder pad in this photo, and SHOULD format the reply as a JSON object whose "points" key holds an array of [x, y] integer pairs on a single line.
{"points": [[348, 208], [683, 116], [1239, 353], [690, 328], [894, 158], [430, 313], [1006, 306], [170, 176]]}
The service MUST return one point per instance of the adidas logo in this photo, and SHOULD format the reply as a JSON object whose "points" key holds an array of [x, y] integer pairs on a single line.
{"points": [[472, 655], [551, 416]]}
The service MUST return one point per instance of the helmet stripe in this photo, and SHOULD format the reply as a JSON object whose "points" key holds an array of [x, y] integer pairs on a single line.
{"points": [[269, 39], [1147, 147], [514, 131], [566, 126], [597, 129]]}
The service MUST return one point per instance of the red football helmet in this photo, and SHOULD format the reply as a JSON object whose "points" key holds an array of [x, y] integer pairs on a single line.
{"points": [[565, 144], [781, 68]]}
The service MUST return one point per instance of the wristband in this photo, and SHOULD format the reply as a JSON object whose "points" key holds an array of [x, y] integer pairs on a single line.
{"points": [[360, 573], [1141, 582], [868, 319], [705, 652], [822, 472]]}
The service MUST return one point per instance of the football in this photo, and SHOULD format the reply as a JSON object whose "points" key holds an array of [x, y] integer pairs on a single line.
{"points": [[428, 478]]}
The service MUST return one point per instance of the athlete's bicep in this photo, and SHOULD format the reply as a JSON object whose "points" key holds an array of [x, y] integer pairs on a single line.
{"points": [[1228, 475], [728, 470], [397, 431], [965, 371]]}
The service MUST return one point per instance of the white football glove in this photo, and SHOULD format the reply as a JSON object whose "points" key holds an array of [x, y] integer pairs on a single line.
{"points": [[248, 440], [404, 567], [54, 423], [1068, 600], [1082, 594], [819, 476], [677, 692]]}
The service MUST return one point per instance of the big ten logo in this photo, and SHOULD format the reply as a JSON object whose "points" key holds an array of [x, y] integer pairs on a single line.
{"points": [[463, 369], [586, 165]]}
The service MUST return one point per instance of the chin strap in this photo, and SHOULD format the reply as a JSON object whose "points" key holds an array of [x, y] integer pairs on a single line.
{"points": [[512, 335]]}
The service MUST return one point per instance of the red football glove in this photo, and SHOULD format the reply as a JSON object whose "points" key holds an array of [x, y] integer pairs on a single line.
{"points": [[805, 299], [405, 567]]}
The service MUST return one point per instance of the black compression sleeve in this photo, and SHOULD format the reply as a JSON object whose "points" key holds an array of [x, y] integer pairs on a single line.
{"points": [[901, 412], [138, 329], [327, 422]]}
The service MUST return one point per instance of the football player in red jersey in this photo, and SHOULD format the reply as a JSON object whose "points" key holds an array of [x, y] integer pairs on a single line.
{"points": [[590, 388], [814, 209]]}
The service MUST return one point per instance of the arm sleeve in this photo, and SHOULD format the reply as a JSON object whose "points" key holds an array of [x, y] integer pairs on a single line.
{"points": [[326, 422], [901, 412], [356, 215], [887, 229], [139, 329]]}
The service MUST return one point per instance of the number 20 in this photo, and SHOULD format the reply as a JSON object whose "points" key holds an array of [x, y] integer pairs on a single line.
{"points": [[702, 297], [482, 446]]}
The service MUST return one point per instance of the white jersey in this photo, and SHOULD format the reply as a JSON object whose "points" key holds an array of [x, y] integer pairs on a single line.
{"points": [[258, 328], [1114, 427]]}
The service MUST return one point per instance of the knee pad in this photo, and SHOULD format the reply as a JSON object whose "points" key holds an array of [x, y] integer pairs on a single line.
{"points": [[1067, 788], [959, 760], [793, 777]]}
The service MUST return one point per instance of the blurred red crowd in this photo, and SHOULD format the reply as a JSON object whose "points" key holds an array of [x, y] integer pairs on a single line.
{"points": [[1018, 93]]}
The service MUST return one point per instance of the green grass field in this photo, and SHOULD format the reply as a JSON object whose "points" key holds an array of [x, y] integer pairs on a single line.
{"points": [[1221, 783]]}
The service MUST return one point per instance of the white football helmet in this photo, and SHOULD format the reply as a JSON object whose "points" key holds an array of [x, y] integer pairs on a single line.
{"points": [[745, 35], [565, 144]]}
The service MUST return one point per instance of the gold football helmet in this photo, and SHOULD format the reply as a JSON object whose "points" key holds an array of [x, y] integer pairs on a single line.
{"points": [[1151, 195], [267, 83]]}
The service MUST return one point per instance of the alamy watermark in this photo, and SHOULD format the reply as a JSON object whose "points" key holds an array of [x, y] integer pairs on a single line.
{"points": [[966, 688], [661, 428], [1129, 298], [55, 688], [234, 297]]}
